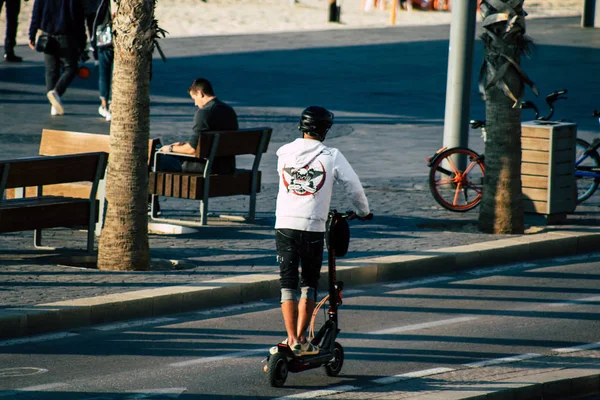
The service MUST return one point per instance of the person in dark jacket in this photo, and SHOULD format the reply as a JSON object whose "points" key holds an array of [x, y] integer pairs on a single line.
{"points": [[13, 7], [64, 23], [212, 115]]}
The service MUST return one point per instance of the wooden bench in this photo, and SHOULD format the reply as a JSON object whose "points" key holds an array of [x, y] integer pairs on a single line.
{"points": [[57, 143], [203, 186], [43, 210]]}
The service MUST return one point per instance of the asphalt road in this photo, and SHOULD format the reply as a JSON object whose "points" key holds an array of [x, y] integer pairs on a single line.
{"points": [[454, 321]]}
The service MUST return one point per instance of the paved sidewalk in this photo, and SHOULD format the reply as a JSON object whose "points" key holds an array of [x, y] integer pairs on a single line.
{"points": [[386, 124]]}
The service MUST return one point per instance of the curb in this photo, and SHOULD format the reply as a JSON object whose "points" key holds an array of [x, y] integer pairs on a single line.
{"points": [[70, 314], [543, 380]]}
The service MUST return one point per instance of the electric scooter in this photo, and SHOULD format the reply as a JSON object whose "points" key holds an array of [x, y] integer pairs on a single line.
{"points": [[331, 353]]}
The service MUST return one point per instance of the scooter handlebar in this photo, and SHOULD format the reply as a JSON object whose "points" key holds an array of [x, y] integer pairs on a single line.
{"points": [[352, 215]]}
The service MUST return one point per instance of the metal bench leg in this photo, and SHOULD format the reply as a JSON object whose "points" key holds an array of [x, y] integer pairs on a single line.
{"points": [[101, 206], [203, 211], [153, 203], [37, 241], [90, 239], [252, 211]]}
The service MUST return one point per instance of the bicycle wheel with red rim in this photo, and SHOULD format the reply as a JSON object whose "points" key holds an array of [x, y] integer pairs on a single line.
{"points": [[456, 179]]}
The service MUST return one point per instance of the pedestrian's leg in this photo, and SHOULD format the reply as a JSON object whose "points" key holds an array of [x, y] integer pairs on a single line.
{"points": [[13, 7], [52, 64], [104, 70], [69, 64]]}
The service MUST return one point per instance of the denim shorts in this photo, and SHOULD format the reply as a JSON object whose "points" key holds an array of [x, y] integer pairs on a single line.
{"points": [[295, 248]]}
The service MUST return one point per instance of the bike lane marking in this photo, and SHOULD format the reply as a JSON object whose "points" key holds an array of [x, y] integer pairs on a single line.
{"points": [[503, 360], [132, 324], [37, 339]]}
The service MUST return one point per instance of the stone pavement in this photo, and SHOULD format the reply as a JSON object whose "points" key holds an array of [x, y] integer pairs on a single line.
{"points": [[386, 87]]}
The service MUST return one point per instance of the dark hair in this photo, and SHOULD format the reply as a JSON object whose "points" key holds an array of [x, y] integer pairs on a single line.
{"points": [[201, 84]]}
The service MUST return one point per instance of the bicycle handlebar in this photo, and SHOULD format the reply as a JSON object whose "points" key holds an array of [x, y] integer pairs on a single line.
{"points": [[552, 97]]}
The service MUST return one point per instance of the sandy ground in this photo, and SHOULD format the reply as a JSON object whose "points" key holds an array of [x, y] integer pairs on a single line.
{"points": [[228, 17]]}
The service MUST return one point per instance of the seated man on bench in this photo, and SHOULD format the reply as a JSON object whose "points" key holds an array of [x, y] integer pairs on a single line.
{"points": [[212, 115]]}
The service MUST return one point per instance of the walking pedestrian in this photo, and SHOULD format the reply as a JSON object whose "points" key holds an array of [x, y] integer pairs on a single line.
{"points": [[102, 42], [62, 40], [13, 7]]}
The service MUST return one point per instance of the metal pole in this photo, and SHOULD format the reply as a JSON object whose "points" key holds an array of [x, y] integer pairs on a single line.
{"points": [[334, 11], [460, 68], [590, 16]]}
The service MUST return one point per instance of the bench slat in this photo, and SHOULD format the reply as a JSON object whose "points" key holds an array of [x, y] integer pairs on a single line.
{"points": [[191, 186], [45, 212], [232, 143], [36, 171]]}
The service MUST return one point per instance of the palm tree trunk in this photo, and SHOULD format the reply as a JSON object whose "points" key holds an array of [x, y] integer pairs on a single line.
{"points": [[501, 205], [502, 84], [124, 241]]}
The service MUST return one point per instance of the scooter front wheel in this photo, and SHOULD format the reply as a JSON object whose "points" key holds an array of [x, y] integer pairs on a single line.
{"points": [[277, 370], [333, 367]]}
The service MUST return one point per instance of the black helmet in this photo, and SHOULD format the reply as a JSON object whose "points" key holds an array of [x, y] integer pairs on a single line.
{"points": [[315, 121]]}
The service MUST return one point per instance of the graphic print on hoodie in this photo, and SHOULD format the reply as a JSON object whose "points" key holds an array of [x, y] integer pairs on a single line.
{"points": [[307, 170], [306, 180]]}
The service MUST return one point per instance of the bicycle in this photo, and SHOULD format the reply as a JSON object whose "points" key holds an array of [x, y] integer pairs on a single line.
{"points": [[460, 189], [587, 166]]}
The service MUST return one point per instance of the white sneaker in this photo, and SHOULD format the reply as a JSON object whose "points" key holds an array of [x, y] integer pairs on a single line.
{"points": [[54, 99], [102, 111], [108, 116], [53, 111]]}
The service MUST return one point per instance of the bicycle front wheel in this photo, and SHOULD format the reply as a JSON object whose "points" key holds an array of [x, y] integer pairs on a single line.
{"points": [[456, 188], [586, 185]]}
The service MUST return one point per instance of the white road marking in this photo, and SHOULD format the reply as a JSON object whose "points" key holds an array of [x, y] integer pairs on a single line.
{"points": [[36, 339], [236, 307], [351, 292], [424, 325], [46, 386], [37, 388], [580, 347], [503, 360], [490, 271], [21, 371], [171, 393], [418, 282], [205, 360], [574, 258], [319, 393], [132, 324], [411, 375], [576, 301]]}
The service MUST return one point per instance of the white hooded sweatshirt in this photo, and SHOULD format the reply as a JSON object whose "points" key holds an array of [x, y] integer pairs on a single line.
{"points": [[307, 170]]}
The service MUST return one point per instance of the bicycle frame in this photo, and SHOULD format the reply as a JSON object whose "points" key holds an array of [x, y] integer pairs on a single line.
{"points": [[589, 172]]}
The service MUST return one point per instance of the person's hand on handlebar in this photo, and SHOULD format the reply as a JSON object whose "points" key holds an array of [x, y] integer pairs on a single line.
{"points": [[367, 217]]}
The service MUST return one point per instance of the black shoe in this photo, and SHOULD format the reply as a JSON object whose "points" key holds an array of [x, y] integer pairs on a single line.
{"points": [[11, 57]]}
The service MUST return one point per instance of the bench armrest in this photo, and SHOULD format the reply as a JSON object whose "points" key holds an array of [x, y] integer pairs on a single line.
{"points": [[168, 153]]}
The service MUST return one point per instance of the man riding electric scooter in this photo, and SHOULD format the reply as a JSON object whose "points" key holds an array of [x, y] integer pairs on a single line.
{"points": [[307, 171]]}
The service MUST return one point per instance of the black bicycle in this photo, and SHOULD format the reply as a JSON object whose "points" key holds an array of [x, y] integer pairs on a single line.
{"points": [[587, 166]]}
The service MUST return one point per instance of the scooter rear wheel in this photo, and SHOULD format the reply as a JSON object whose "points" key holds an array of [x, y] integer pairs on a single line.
{"points": [[277, 370], [333, 367]]}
